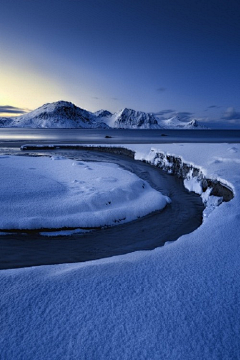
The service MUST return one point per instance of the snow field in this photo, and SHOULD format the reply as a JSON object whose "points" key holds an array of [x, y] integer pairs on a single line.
{"points": [[177, 302], [42, 192]]}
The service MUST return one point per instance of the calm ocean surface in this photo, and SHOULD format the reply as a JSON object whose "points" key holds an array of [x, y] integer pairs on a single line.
{"points": [[16, 137]]}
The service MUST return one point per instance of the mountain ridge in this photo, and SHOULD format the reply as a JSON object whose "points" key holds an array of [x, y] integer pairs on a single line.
{"points": [[64, 114]]}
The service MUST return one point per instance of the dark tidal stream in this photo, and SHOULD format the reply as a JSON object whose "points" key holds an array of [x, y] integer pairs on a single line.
{"points": [[180, 217]]}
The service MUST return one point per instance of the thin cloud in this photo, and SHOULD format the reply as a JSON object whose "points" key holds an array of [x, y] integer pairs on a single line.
{"points": [[231, 114], [185, 113], [113, 98], [212, 107], [7, 109], [95, 97], [164, 112], [161, 89]]}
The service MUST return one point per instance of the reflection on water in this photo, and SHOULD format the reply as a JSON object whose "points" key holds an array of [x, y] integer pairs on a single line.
{"points": [[116, 136]]}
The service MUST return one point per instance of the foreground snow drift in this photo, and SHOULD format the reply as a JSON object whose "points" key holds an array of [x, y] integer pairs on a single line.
{"points": [[42, 192], [180, 301]]}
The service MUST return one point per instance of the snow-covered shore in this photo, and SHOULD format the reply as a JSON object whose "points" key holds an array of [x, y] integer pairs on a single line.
{"points": [[180, 301]]}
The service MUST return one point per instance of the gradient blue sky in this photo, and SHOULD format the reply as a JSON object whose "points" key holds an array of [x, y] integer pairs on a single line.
{"points": [[161, 56]]}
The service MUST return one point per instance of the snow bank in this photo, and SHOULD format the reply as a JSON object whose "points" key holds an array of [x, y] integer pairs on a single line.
{"points": [[42, 192], [195, 178], [180, 301]]}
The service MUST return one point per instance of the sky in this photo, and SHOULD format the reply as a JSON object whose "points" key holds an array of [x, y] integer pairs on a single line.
{"points": [[162, 56]]}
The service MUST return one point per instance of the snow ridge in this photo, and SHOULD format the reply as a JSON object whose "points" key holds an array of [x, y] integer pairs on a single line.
{"points": [[212, 191]]}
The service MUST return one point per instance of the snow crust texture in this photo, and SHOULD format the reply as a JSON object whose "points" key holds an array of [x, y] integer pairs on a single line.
{"points": [[42, 192], [180, 301]]}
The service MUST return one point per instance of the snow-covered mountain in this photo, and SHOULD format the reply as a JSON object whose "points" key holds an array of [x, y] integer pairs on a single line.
{"points": [[60, 114], [175, 122], [131, 119], [63, 114]]}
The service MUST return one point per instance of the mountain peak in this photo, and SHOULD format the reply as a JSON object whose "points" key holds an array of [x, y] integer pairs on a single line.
{"points": [[102, 113], [129, 118]]}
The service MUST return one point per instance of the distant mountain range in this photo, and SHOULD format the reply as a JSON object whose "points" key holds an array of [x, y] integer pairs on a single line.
{"points": [[63, 114]]}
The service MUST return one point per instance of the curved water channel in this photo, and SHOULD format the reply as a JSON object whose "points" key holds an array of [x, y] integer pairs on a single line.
{"points": [[182, 216]]}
